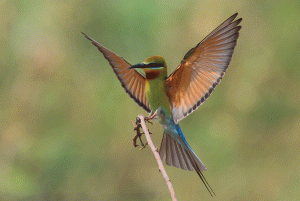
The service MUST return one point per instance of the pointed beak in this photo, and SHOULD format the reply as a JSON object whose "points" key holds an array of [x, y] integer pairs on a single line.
{"points": [[141, 65]]}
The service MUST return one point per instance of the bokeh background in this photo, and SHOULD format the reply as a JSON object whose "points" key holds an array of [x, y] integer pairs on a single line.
{"points": [[65, 119]]}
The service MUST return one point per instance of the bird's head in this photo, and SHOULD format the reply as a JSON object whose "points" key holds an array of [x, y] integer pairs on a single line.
{"points": [[154, 67]]}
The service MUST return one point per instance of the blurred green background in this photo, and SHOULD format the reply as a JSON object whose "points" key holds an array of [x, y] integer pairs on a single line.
{"points": [[65, 119]]}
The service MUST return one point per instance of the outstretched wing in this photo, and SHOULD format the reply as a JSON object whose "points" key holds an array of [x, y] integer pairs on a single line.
{"points": [[202, 69], [131, 80]]}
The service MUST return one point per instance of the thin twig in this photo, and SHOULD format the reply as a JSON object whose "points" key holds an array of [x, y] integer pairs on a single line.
{"points": [[138, 134], [155, 153], [143, 147]]}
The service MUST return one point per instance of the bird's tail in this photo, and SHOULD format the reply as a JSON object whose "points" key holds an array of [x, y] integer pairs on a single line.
{"points": [[184, 158]]}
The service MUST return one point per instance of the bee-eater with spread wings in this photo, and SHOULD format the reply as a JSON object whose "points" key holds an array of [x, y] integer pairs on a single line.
{"points": [[181, 93]]}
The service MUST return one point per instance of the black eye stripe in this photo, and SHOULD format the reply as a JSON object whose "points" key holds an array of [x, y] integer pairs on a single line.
{"points": [[156, 65]]}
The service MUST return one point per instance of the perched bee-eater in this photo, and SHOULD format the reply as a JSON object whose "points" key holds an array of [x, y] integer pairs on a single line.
{"points": [[179, 94]]}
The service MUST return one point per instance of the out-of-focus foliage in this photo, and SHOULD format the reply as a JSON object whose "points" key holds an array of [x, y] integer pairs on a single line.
{"points": [[65, 119]]}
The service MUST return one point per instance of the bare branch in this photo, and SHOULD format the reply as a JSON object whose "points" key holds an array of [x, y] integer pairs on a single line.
{"points": [[140, 121]]}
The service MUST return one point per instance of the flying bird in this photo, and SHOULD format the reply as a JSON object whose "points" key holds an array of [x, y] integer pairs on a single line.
{"points": [[179, 94]]}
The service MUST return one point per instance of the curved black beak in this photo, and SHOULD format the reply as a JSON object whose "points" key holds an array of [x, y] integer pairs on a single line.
{"points": [[141, 65]]}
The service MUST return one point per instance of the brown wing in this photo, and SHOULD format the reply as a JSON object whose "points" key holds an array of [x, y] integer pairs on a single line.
{"points": [[202, 69], [131, 80]]}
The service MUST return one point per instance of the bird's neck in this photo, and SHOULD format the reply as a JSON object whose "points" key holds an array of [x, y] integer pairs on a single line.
{"points": [[156, 74]]}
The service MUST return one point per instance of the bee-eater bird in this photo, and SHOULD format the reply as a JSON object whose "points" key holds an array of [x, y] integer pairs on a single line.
{"points": [[179, 94]]}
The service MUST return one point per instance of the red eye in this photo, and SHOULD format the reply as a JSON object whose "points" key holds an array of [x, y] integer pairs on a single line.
{"points": [[154, 64]]}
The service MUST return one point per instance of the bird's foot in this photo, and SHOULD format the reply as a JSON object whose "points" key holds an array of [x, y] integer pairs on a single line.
{"points": [[150, 117]]}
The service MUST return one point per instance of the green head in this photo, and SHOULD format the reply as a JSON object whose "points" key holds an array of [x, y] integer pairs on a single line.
{"points": [[154, 67], [156, 62]]}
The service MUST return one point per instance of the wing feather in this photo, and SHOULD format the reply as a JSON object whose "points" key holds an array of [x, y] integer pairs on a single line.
{"points": [[202, 69], [132, 81]]}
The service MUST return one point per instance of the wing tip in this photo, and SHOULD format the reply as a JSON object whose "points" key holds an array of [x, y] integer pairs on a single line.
{"points": [[87, 37], [99, 46], [233, 18]]}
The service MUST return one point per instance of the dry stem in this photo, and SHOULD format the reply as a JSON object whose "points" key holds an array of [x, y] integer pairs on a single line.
{"points": [[140, 121]]}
